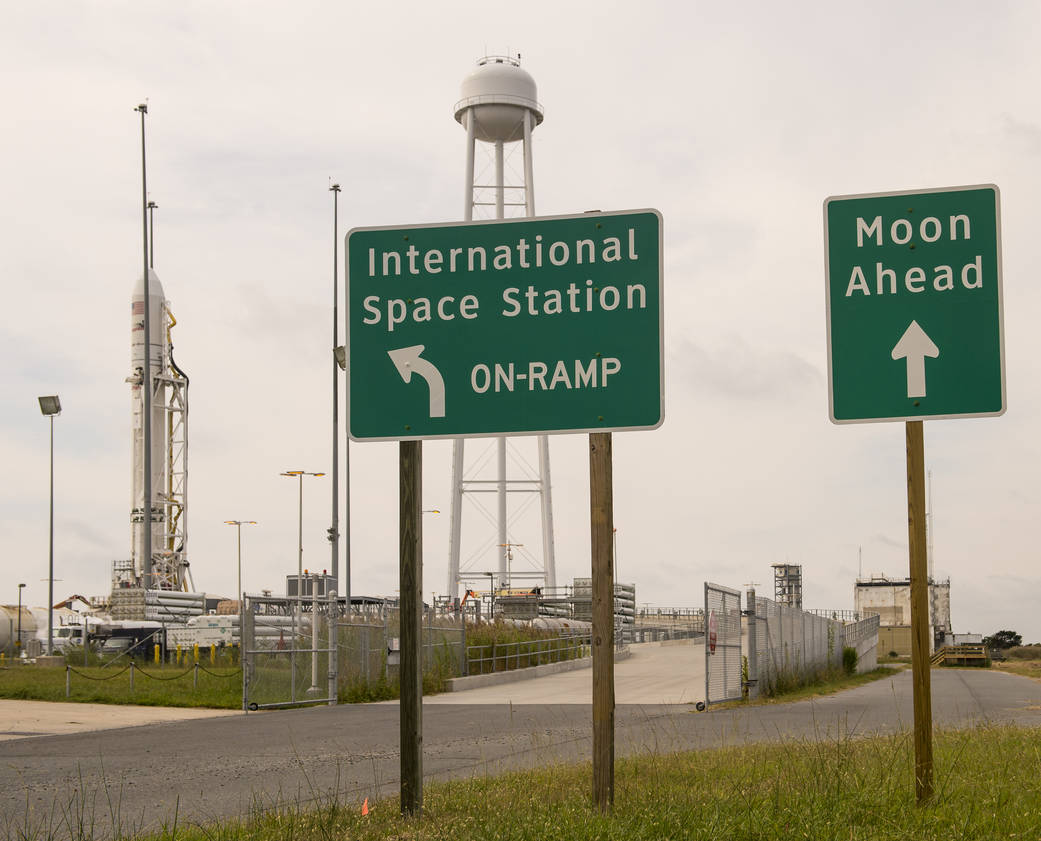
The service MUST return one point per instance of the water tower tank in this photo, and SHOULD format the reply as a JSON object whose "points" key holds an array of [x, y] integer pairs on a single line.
{"points": [[497, 95]]}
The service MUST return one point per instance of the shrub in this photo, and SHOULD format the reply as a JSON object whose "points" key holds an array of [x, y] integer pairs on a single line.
{"points": [[849, 660], [1024, 652]]}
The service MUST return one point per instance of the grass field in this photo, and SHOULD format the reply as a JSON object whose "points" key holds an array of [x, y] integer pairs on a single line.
{"points": [[219, 687], [988, 784]]}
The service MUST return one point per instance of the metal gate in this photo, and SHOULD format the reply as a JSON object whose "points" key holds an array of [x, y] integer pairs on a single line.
{"points": [[722, 644], [286, 647]]}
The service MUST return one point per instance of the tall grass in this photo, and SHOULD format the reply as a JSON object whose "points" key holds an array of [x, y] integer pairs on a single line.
{"points": [[988, 786], [500, 646]]}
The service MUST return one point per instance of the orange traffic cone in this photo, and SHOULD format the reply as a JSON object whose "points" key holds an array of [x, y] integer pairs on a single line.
{"points": [[365, 807]]}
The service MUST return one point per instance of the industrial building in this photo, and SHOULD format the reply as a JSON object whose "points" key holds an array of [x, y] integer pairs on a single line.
{"points": [[890, 600]]}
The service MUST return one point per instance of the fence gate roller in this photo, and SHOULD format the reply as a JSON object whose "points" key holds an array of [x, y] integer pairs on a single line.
{"points": [[722, 644]]}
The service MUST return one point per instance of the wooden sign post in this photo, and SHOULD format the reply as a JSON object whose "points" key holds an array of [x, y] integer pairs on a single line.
{"points": [[601, 520], [920, 663], [410, 466], [897, 357]]}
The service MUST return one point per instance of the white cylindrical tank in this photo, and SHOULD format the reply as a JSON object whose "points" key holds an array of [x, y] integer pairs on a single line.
{"points": [[9, 625], [158, 361], [497, 96]]}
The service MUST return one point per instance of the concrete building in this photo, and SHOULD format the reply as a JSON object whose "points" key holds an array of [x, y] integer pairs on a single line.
{"points": [[890, 600]]}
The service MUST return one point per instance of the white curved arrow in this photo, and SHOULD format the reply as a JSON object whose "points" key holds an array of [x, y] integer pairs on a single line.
{"points": [[408, 362], [914, 346]]}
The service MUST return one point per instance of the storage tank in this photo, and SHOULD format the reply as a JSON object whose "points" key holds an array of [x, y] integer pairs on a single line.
{"points": [[9, 626]]}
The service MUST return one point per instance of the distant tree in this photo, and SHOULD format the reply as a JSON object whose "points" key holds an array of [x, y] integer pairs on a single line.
{"points": [[1003, 639]]}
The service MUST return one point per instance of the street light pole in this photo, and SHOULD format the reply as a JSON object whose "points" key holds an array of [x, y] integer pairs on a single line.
{"points": [[509, 560], [300, 546], [239, 524], [18, 645], [334, 531], [50, 406]]}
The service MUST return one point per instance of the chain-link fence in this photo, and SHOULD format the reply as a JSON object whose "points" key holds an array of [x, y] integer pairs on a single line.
{"points": [[286, 648], [722, 644], [369, 648], [788, 645]]}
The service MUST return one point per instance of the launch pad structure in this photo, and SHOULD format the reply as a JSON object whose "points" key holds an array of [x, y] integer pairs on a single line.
{"points": [[162, 589]]}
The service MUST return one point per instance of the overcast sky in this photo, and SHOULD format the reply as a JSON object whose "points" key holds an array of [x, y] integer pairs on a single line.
{"points": [[735, 121]]}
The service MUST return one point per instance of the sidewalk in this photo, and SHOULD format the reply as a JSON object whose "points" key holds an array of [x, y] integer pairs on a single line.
{"points": [[47, 718]]}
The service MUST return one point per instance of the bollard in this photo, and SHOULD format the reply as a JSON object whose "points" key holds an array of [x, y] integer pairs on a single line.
{"points": [[213, 655], [195, 652], [195, 678], [131, 675], [68, 681], [178, 654], [157, 654]]}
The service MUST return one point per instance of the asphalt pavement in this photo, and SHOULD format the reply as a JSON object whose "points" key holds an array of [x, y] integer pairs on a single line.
{"points": [[131, 778]]}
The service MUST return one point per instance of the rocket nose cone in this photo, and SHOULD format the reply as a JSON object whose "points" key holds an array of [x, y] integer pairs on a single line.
{"points": [[155, 287]]}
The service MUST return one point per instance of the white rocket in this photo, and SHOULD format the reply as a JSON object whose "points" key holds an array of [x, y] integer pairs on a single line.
{"points": [[168, 569]]}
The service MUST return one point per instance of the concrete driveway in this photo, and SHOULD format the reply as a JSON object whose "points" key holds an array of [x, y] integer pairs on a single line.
{"points": [[653, 673]]}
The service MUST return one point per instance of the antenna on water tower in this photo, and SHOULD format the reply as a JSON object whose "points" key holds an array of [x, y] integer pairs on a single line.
{"points": [[499, 107]]}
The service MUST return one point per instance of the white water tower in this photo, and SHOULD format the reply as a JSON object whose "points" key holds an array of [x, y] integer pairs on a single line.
{"points": [[499, 109]]}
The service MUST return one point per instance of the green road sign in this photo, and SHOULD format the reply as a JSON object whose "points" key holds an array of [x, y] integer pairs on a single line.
{"points": [[914, 305], [534, 325]]}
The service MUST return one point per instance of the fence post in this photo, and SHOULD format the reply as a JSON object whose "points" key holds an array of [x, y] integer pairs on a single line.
{"points": [[195, 678], [753, 646], [332, 626], [465, 670], [131, 675], [68, 681]]}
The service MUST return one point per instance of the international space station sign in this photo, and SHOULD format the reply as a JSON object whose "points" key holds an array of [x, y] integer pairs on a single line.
{"points": [[512, 327]]}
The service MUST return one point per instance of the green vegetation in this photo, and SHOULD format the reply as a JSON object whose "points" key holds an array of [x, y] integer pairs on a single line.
{"points": [[219, 687], [364, 672], [849, 660], [987, 787], [1024, 660], [825, 683], [787, 683], [498, 647], [1024, 652], [1003, 639]]}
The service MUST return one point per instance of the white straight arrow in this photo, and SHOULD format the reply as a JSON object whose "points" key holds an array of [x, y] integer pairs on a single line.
{"points": [[914, 346], [408, 362]]}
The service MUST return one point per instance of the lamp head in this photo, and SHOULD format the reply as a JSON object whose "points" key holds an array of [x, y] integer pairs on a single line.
{"points": [[50, 405]]}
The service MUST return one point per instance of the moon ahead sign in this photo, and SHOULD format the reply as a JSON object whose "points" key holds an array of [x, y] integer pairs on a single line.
{"points": [[914, 305], [513, 327]]}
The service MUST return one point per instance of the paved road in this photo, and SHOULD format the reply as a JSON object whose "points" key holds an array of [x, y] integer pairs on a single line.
{"points": [[221, 767]]}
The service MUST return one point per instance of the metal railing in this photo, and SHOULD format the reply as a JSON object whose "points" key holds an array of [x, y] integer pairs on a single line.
{"points": [[841, 615], [507, 656]]}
